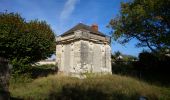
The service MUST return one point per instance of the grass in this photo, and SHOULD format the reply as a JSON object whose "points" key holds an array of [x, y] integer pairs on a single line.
{"points": [[107, 87]]}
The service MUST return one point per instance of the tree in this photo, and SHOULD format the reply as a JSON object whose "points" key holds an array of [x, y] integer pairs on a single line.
{"points": [[26, 42], [117, 56], [148, 21]]}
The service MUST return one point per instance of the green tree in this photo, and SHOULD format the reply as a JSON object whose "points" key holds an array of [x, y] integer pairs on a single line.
{"points": [[23, 41], [116, 56], [148, 21]]}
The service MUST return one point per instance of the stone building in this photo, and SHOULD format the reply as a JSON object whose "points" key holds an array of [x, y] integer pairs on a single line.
{"points": [[83, 49]]}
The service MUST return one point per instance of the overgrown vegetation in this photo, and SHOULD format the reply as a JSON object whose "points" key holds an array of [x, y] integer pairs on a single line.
{"points": [[107, 87], [148, 65], [33, 71]]}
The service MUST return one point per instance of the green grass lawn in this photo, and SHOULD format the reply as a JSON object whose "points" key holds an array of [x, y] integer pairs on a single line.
{"points": [[106, 87]]}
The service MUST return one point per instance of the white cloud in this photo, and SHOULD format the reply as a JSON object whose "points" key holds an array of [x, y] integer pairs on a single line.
{"points": [[65, 15], [68, 9]]}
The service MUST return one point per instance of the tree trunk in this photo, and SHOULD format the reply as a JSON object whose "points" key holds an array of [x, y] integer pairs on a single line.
{"points": [[4, 79]]}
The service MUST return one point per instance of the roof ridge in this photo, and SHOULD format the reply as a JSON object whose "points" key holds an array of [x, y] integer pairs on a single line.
{"points": [[82, 26]]}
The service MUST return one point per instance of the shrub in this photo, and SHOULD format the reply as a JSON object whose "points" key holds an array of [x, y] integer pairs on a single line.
{"points": [[19, 67], [149, 65], [43, 70], [30, 71]]}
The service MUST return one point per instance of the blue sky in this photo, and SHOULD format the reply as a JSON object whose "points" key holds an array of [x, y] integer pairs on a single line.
{"points": [[64, 14]]}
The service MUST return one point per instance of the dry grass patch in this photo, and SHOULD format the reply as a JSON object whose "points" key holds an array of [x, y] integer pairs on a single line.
{"points": [[107, 87]]}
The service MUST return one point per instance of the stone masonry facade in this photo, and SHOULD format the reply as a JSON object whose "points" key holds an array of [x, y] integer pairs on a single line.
{"points": [[82, 51]]}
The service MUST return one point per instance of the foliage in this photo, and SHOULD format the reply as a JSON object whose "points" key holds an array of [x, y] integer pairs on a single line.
{"points": [[148, 21], [123, 68], [46, 66], [129, 58], [118, 53], [43, 70], [115, 56], [25, 42], [118, 56], [106, 87], [154, 61], [32, 71], [148, 65], [19, 67]]}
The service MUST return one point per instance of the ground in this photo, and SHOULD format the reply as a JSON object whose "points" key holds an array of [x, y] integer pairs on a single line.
{"points": [[105, 87]]}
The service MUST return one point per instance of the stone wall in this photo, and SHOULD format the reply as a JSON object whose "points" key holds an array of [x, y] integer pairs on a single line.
{"points": [[83, 54], [96, 57]]}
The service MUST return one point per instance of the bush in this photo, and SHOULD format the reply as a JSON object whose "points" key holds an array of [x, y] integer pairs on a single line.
{"points": [[19, 67], [124, 68], [32, 71], [47, 66], [156, 65], [149, 65], [43, 70], [153, 61]]}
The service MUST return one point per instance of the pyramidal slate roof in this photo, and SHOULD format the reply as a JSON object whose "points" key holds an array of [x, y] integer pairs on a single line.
{"points": [[81, 26]]}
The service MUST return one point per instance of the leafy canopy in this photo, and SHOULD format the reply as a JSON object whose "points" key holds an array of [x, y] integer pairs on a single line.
{"points": [[27, 41], [148, 21]]}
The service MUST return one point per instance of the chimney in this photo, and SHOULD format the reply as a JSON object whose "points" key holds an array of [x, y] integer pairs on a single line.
{"points": [[94, 27]]}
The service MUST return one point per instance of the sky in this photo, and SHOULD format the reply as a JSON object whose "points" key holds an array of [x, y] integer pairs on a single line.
{"points": [[62, 15]]}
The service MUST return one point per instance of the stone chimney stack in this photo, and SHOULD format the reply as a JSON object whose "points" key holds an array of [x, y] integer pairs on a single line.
{"points": [[94, 27]]}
